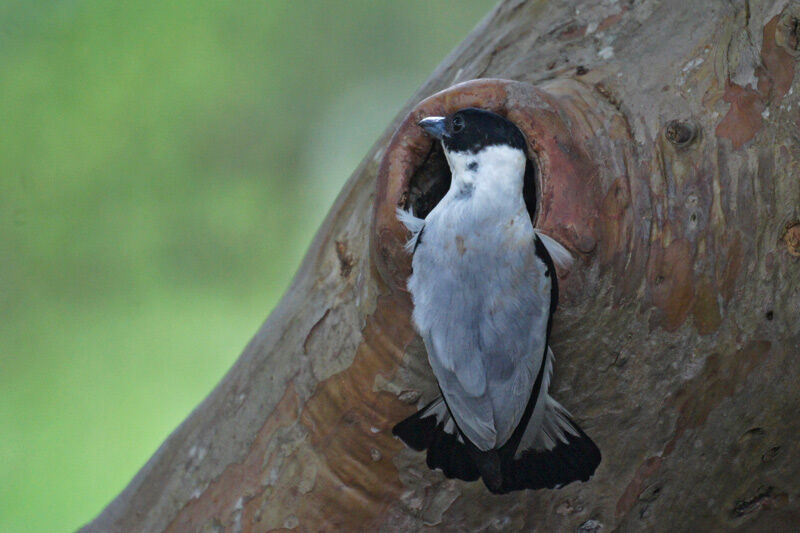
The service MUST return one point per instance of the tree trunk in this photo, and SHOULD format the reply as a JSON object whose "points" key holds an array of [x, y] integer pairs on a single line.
{"points": [[666, 139]]}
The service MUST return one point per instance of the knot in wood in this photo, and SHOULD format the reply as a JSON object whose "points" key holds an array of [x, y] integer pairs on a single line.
{"points": [[792, 239], [788, 29], [680, 133]]}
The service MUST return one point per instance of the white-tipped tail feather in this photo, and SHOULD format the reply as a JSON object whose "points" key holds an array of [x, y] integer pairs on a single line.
{"points": [[550, 422]]}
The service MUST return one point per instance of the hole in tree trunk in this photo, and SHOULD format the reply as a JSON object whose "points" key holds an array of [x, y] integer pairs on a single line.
{"points": [[429, 183]]}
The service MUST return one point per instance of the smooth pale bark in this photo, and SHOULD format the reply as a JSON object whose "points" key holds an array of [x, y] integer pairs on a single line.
{"points": [[674, 178]]}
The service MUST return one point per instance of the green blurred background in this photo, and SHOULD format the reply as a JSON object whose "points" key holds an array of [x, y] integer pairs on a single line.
{"points": [[163, 166]]}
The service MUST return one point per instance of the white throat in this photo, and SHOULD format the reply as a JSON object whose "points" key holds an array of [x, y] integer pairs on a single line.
{"points": [[498, 167]]}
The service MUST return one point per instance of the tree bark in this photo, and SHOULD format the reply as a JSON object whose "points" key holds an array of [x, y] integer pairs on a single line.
{"points": [[666, 138]]}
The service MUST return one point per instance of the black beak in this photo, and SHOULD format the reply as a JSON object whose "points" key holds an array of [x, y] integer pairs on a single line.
{"points": [[434, 126]]}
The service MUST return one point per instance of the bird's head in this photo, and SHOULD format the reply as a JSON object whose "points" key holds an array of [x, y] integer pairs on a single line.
{"points": [[476, 140]]}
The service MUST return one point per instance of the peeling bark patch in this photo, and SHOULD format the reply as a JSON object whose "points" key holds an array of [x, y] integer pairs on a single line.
{"points": [[776, 72], [611, 20], [631, 494], [730, 272], [591, 526], [410, 397], [442, 500], [352, 488], [571, 32], [614, 229], [705, 310], [617, 199], [743, 119], [214, 505], [671, 284], [775, 75], [346, 260], [792, 239]]}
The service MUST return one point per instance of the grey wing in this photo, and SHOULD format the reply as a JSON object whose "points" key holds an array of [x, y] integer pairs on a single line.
{"points": [[464, 390], [487, 352]]}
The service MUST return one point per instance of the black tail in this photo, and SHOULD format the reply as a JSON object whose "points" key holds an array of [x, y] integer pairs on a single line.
{"points": [[558, 453], [431, 428], [573, 459]]}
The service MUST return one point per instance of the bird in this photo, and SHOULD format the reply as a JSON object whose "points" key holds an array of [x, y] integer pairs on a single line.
{"points": [[484, 291]]}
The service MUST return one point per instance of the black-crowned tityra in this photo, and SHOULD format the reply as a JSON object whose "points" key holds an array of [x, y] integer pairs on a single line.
{"points": [[484, 290]]}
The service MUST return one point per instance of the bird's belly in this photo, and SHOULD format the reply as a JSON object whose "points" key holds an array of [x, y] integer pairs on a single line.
{"points": [[464, 246], [462, 271]]}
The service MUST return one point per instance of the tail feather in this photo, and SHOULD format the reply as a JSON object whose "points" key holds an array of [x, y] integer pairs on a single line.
{"points": [[560, 453], [433, 429], [575, 458], [448, 455], [551, 455]]}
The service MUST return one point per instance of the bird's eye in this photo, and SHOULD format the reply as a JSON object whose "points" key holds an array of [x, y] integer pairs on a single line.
{"points": [[458, 123]]}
